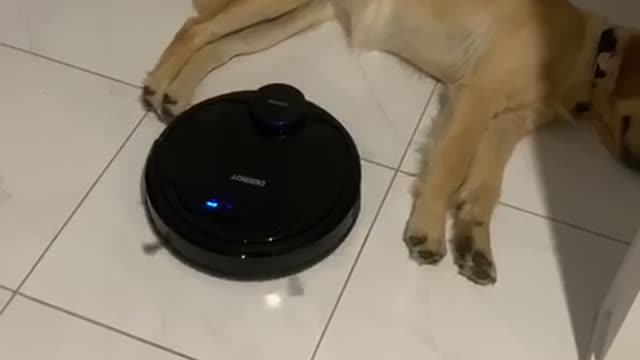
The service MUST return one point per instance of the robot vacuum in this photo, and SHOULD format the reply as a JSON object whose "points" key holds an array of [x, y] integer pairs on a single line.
{"points": [[253, 185]]}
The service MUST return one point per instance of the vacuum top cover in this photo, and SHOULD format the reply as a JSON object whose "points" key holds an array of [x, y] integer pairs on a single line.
{"points": [[253, 184]]}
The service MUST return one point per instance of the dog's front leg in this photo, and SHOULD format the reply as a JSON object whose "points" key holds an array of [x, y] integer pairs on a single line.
{"points": [[449, 162], [480, 193]]}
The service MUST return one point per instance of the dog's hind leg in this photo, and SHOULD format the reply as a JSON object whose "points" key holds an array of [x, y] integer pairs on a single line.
{"points": [[236, 15], [449, 161], [209, 8], [205, 10], [251, 40]]}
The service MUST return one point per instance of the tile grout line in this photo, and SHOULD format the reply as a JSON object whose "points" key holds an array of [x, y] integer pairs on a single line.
{"points": [[68, 65], [565, 223], [396, 171], [408, 173], [377, 163], [77, 316], [105, 326], [352, 269], [73, 213]]}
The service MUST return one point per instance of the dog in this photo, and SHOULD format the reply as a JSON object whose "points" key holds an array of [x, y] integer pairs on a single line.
{"points": [[509, 67]]}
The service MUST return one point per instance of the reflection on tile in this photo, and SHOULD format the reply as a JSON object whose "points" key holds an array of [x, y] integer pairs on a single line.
{"points": [[543, 305], [59, 127], [97, 268], [30, 331]]}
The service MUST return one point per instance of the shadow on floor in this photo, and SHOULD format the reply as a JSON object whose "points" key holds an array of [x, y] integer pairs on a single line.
{"points": [[582, 193], [587, 271], [583, 185]]}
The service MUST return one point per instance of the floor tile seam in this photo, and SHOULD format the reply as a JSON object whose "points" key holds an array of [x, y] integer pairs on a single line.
{"points": [[369, 232], [377, 163], [564, 223], [102, 325], [352, 268], [69, 65], [73, 213]]}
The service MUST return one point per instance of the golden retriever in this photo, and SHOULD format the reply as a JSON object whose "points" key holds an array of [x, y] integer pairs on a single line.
{"points": [[509, 66]]}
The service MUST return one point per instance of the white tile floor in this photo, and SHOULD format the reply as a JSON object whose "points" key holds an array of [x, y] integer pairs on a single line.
{"points": [[73, 136]]}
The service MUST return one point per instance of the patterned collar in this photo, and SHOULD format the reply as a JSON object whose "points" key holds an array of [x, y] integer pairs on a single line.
{"points": [[606, 63]]}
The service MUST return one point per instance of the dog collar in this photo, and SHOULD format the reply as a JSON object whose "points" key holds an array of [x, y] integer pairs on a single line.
{"points": [[607, 50], [606, 63]]}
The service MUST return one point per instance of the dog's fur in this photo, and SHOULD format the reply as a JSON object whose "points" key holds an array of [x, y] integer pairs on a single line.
{"points": [[510, 66]]}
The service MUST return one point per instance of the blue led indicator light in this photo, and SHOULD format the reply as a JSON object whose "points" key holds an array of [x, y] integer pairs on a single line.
{"points": [[215, 204]]}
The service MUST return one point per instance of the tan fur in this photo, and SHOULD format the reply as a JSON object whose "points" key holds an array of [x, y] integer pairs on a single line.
{"points": [[509, 66]]}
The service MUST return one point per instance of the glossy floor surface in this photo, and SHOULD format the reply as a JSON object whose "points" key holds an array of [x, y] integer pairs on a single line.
{"points": [[75, 283]]}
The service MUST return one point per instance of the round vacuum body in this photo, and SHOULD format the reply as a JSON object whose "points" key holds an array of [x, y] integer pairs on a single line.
{"points": [[253, 185]]}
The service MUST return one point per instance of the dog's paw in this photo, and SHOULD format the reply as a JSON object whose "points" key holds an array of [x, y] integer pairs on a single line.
{"points": [[424, 234], [424, 248], [474, 263], [425, 252], [147, 98], [155, 97], [167, 109], [166, 102], [177, 98]]}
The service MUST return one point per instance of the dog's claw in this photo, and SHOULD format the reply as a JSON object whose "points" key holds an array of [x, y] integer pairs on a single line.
{"points": [[428, 257], [478, 268], [421, 253], [146, 103], [415, 241], [147, 91], [168, 100], [166, 113]]}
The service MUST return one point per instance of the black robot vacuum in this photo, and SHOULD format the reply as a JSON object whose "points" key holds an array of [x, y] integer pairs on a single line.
{"points": [[253, 185]]}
